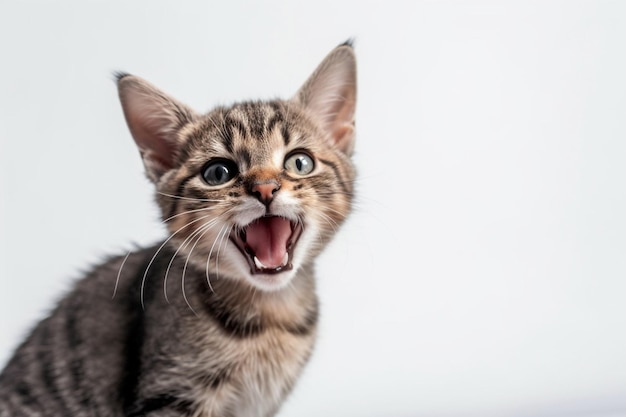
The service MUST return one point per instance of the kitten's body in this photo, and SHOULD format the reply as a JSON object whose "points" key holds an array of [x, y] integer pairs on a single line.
{"points": [[219, 319]]}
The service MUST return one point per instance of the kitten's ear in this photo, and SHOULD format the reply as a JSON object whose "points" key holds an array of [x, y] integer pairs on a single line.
{"points": [[330, 95], [154, 120]]}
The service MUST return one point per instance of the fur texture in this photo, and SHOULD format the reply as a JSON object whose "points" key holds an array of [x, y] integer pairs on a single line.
{"points": [[220, 318]]}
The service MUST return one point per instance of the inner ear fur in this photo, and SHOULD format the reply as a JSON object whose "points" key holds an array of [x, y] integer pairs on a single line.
{"points": [[329, 94], [154, 120]]}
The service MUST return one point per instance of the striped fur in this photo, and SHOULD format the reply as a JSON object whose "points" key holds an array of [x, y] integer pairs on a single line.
{"points": [[194, 328]]}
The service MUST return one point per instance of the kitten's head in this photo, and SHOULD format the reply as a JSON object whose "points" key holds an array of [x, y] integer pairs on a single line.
{"points": [[253, 191]]}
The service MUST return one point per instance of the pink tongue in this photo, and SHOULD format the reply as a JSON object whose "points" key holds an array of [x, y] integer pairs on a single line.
{"points": [[267, 237]]}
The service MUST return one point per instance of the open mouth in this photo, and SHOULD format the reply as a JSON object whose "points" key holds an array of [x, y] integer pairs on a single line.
{"points": [[267, 243]]}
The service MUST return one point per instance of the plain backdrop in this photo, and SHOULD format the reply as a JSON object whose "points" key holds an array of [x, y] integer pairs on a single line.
{"points": [[483, 272]]}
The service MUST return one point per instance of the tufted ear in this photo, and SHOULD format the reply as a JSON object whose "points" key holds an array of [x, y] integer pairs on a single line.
{"points": [[154, 120], [330, 95]]}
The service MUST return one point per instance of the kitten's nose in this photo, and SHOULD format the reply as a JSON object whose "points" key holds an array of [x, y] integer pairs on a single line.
{"points": [[264, 191]]}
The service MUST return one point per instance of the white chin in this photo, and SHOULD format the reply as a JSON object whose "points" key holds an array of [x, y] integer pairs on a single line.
{"points": [[270, 282]]}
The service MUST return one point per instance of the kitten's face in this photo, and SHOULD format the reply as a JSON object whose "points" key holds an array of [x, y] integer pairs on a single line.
{"points": [[254, 191], [261, 191]]}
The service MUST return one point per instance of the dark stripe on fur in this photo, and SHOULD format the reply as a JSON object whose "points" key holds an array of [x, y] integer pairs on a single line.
{"points": [[310, 321], [226, 134], [185, 150], [217, 378], [27, 397], [48, 363], [337, 173], [285, 132], [275, 105], [179, 193], [134, 338], [276, 118], [199, 194], [244, 155], [161, 402], [74, 342], [255, 119], [231, 323], [76, 364], [236, 323], [232, 125]]}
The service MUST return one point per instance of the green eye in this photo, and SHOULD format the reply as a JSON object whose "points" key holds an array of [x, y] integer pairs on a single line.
{"points": [[299, 163]]}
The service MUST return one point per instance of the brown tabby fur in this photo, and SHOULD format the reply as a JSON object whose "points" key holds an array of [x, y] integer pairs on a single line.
{"points": [[192, 330]]}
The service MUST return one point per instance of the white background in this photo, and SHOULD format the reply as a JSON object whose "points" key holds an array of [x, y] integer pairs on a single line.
{"points": [[484, 270]]}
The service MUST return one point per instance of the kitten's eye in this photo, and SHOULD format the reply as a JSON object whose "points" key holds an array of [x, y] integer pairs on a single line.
{"points": [[299, 164], [219, 172]]}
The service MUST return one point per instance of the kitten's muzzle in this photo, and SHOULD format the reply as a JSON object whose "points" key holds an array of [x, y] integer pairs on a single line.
{"points": [[268, 243]]}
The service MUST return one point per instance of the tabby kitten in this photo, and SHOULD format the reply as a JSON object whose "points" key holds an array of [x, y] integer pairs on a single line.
{"points": [[220, 318]]}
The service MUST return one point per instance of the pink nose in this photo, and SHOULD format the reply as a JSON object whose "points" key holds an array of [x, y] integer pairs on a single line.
{"points": [[265, 191]]}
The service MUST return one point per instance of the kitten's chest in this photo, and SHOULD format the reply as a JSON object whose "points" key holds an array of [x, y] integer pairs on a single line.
{"points": [[262, 371]]}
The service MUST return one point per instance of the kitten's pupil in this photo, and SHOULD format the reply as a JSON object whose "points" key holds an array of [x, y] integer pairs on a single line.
{"points": [[299, 164]]}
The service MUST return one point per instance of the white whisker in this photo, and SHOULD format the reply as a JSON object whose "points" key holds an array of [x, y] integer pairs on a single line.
{"points": [[191, 211], [119, 273], [182, 245], [189, 198], [208, 259], [219, 248], [145, 274], [204, 230]]}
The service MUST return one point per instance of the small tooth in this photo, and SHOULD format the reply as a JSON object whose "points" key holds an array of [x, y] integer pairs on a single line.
{"points": [[258, 263], [285, 259]]}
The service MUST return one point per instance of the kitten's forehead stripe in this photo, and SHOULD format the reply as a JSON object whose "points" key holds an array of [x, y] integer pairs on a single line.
{"points": [[284, 130], [255, 117], [227, 138], [276, 118], [235, 126]]}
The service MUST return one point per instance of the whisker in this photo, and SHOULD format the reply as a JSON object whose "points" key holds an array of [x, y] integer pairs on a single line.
{"points": [[341, 213], [119, 273], [208, 259], [191, 211], [183, 244], [204, 230], [189, 198], [219, 131], [145, 274], [330, 221], [219, 248]]}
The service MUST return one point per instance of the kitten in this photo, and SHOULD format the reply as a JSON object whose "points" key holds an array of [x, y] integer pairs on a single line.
{"points": [[220, 318]]}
